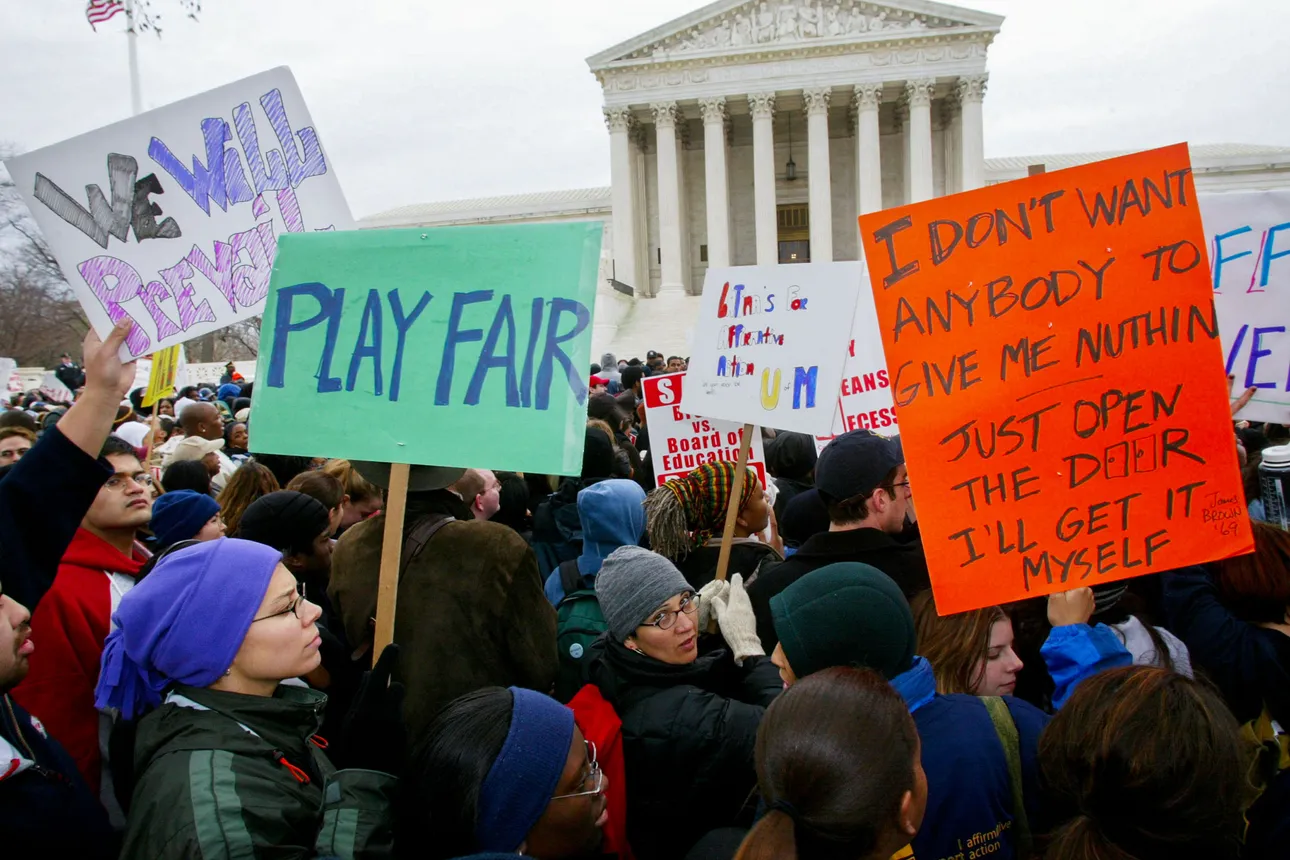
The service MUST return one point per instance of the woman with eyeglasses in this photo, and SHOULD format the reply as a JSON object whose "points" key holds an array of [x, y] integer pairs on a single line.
{"points": [[502, 771], [227, 761], [689, 702]]}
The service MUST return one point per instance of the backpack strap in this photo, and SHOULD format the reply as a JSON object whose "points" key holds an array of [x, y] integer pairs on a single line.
{"points": [[570, 578], [1006, 728], [418, 536]]}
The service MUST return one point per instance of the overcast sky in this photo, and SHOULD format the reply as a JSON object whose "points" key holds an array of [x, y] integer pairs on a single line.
{"points": [[420, 101]]}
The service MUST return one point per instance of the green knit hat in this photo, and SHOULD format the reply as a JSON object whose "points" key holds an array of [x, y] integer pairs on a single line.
{"points": [[845, 614]]}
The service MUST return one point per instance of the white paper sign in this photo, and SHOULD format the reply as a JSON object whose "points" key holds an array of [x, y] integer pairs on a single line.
{"points": [[170, 217], [54, 390], [9, 376], [769, 344], [1249, 258], [680, 442], [864, 400]]}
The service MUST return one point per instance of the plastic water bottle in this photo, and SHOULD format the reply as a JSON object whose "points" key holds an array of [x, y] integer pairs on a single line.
{"points": [[1274, 484]]}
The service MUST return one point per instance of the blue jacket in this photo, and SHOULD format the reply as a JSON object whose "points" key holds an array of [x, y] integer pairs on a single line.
{"points": [[45, 806], [969, 794], [42, 500], [1250, 664], [612, 514]]}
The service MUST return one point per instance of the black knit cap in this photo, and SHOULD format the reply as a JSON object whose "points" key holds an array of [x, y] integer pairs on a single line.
{"points": [[597, 454], [284, 520]]}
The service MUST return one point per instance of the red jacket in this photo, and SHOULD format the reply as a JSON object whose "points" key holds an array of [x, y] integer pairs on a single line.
{"points": [[68, 628]]}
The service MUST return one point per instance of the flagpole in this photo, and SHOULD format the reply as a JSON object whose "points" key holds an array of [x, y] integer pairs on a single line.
{"points": [[136, 94]]}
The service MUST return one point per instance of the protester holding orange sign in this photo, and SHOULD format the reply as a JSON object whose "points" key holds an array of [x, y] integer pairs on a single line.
{"points": [[1054, 355]]}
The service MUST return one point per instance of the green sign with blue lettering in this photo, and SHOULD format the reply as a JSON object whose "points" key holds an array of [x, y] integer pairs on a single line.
{"points": [[450, 346]]}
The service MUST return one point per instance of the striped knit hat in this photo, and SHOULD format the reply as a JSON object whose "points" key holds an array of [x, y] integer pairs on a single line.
{"points": [[683, 513]]}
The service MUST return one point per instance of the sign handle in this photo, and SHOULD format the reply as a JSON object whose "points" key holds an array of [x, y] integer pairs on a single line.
{"points": [[732, 510], [396, 503]]}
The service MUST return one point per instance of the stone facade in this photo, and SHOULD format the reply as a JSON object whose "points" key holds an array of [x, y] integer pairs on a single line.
{"points": [[875, 105]]}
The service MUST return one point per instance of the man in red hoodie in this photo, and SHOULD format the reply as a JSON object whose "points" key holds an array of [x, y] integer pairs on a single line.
{"points": [[74, 618]]}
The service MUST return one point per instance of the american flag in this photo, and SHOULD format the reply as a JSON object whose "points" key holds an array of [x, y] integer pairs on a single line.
{"points": [[98, 11]]}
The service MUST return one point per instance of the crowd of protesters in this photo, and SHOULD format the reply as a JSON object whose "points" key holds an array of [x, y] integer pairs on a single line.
{"points": [[188, 666]]}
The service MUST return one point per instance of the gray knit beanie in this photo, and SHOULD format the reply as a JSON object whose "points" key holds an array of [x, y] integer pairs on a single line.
{"points": [[631, 584]]}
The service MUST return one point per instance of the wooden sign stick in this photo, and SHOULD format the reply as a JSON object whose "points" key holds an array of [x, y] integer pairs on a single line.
{"points": [[732, 510], [396, 504]]}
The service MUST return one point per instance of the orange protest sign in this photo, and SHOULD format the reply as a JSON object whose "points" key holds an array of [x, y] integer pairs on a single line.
{"points": [[1054, 356]]}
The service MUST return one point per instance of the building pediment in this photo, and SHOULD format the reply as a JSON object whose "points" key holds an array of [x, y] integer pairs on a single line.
{"points": [[733, 27]]}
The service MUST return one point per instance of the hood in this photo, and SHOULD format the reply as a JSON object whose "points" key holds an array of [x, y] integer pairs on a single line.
{"points": [[91, 551], [612, 514], [791, 456], [556, 519], [195, 718]]}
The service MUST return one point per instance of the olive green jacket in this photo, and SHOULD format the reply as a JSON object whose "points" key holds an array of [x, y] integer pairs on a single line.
{"points": [[228, 775]]}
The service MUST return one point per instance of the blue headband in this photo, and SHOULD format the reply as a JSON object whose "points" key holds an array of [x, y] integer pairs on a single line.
{"points": [[522, 780]]}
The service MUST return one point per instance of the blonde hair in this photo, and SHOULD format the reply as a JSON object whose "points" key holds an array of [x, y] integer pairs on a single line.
{"points": [[358, 488]]}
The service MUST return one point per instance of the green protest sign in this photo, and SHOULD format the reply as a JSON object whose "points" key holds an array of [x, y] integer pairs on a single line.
{"points": [[454, 346]]}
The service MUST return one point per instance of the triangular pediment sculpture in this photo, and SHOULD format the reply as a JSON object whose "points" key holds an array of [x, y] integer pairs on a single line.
{"points": [[730, 26]]}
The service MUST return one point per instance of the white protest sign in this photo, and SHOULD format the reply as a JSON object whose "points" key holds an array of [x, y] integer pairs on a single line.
{"points": [[1249, 257], [768, 345], [53, 389], [171, 217], [864, 399], [8, 373], [679, 442]]}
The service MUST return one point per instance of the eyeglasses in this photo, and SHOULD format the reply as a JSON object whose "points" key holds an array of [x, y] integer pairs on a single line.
{"points": [[118, 481], [595, 776], [666, 618], [892, 487], [292, 608]]}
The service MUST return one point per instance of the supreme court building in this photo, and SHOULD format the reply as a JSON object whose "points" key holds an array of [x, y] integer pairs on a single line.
{"points": [[755, 132]]}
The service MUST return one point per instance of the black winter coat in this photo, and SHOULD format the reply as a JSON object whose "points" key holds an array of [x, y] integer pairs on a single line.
{"points": [[898, 556], [688, 739]]}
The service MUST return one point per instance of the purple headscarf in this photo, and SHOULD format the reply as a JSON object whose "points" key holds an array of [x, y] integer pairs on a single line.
{"points": [[184, 623]]}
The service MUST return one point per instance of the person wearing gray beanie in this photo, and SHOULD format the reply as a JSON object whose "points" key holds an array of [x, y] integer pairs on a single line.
{"points": [[632, 583], [689, 708]]}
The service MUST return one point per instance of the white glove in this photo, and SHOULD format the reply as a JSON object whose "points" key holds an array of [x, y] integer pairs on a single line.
{"points": [[709, 596], [738, 623]]}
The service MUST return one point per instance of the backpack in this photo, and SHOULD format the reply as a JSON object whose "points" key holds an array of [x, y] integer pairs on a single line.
{"points": [[601, 726], [578, 623]]}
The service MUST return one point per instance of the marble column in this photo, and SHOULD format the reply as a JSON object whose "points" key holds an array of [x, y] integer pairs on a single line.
{"points": [[716, 187], [971, 92], [640, 175], [868, 149], [951, 133], [919, 149], [817, 173], [623, 197], [762, 106], [669, 197]]}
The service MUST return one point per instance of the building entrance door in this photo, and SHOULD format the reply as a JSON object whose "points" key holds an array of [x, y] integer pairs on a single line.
{"points": [[794, 233]]}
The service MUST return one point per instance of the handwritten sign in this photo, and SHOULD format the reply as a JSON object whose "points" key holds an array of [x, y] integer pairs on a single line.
{"points": [[170, 217], [864, 401], [53, 389], [161, 376], [1248, 237], [1054, 355], [768, 345], [454, 346], [681, 442], [9, 373]]}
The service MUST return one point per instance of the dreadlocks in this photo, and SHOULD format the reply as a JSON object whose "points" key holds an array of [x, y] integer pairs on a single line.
{"points": [[685, 512]]}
